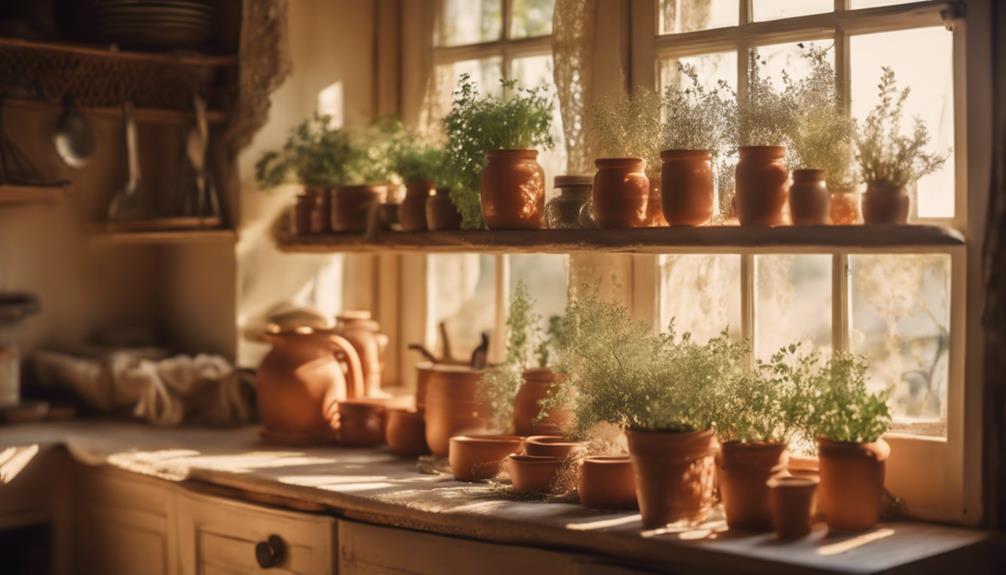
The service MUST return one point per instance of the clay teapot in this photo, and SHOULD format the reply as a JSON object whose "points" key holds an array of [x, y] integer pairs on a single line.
{"points": [[302, 379], [364, 333]]}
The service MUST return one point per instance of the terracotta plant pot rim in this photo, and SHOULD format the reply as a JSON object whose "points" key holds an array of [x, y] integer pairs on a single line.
{"points": [[525, 459], [640, 430], [793, 482], [763, 149], [879, 449], [362, 187], [552, 440], [619, 162], [881, 189], [574, 181], [608, 459], [519, 153], [683, 154], [808, 174], [489, 438]]}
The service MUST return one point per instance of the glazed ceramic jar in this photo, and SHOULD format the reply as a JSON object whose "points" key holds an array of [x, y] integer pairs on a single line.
{"points": [[675, 475], [761, 181], [352, 207], [852, 483], [744, 470], [686, 182], [412, 210], [365, 335], [809, 201], [513, 190], [480, 457], [453, 406], [621, 193], [441, 213], [563, 211], [885, 204], [607, 482], [793, 501], [538, 385]]}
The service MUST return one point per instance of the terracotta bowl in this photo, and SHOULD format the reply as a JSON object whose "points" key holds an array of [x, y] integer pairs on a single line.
{"points": [[405, 433], [480, 457], [607, 482], [535, 473], [361, 423], [552, 446]]}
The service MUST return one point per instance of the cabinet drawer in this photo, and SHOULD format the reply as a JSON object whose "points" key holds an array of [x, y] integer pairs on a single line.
{"points": [[220, 536]]}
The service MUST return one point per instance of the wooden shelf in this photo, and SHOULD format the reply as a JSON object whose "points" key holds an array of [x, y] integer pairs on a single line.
{"points": [[168, 237], [142, 115], [111, 53], [10, 194], [833, 239]]}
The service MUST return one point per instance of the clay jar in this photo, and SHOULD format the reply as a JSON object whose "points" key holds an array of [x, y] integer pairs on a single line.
{"points": [[405, 433], [744, 470], [352, 205], [621, 193], [365, 335], [844, 209], [809, 201], [607, 482], [424, 372], [441, 213], [513, 190], [480, 457], [686, 184], [453, 406], [412, 210], [885, 204], [852, 483], [301, 379], [675, 475], [792, 501], [761, 185], [553, 446], [361, 423], [321, 216], [535, 473], [563, 211], [538, 384]]}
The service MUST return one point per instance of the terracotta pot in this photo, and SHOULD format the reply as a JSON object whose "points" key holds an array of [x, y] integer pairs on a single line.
{"points": [[424, 372], [654, 210], [361, 422], [792, 501], [321, 216], [553, 446], [686, 184], [365, 335], [405, 433], [352, 206], [809, 200], [844, 209], [885, 205], [535, 473], [607, 482], [761, 182], [453, 406], [852, 483], [675, 475], [412, 210], [441, 214], [563, 211], [300, 381], [803, 466], [304, 214], [621, 193], [538, 384], [744, 469], [480, 457], [513, 190]]}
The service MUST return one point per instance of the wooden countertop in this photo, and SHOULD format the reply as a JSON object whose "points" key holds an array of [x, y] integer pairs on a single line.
{"points": [[377, 487]]}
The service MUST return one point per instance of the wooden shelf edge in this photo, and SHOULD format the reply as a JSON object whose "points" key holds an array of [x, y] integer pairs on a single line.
{"points": [[17, 195], [142, 115], [167, 236], [101, 51], [903, 238]]}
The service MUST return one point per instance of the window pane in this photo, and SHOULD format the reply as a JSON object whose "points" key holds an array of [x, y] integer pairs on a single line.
{"points": [[931, 99], [701, 293], [462, 292], [775, 9], [531, 18], [779, 58], [536, 71], [901, 321], [793, 302], [711, 68], [873, 3], [469, 22], [546, 278], [689, 15], [486, 73]]}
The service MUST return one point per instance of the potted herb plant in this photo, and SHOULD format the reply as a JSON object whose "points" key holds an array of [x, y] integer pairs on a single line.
{"points": [[890, 160], [820, 144], [626, 133], [760, 411], [368, 172], [492, 155], [764, 119], [695, 130], [848, 422], [418, 165]]}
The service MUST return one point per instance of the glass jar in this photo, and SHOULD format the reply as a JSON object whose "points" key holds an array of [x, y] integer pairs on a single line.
{"points": [[563, 211]]}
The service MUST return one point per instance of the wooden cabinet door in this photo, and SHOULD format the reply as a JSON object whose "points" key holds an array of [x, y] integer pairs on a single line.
{"points": [[220, 536]]}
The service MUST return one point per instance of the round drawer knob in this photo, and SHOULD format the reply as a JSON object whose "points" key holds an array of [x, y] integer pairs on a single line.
{"points": [[271, 552]]}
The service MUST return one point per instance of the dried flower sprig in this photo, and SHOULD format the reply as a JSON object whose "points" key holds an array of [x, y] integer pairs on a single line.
{"points": [[624, 126], [765, 117], [697, 118]]}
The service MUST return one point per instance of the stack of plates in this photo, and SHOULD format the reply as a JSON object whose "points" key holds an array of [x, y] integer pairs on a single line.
{"points": [[154, 24]]}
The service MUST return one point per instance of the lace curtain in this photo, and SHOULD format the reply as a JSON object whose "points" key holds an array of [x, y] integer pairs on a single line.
{"points": [[572, 47]]}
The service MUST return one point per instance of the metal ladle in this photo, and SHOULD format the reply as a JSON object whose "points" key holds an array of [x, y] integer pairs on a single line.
{"points": [[72, 137], [123, 205]]}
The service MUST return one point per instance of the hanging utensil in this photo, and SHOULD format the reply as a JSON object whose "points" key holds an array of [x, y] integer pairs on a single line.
{"points": [[72, 137], [15, 167], [124, 205], [206, 202]]}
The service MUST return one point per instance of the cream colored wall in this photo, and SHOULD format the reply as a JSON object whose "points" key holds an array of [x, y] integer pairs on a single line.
{"points": [[330, 44]]}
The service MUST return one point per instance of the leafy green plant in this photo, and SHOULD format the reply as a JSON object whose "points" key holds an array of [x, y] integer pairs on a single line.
{"points": [[842, 409], [314, 155], [627, 126], [765, 117], [416, 162], [696, 118], [371, 160], [885, 155], [478, 123], [821, 133]]}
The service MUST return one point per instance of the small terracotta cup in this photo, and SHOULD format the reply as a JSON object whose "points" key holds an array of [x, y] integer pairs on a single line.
{"points": [[885, 205], [809, 201], [361, 423], [607, 482], [441, 213], [405, 433], [481, 457], [412, 210], [535, 473], [539, 384], [793, 501], [352, 205], [553, 446]]}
